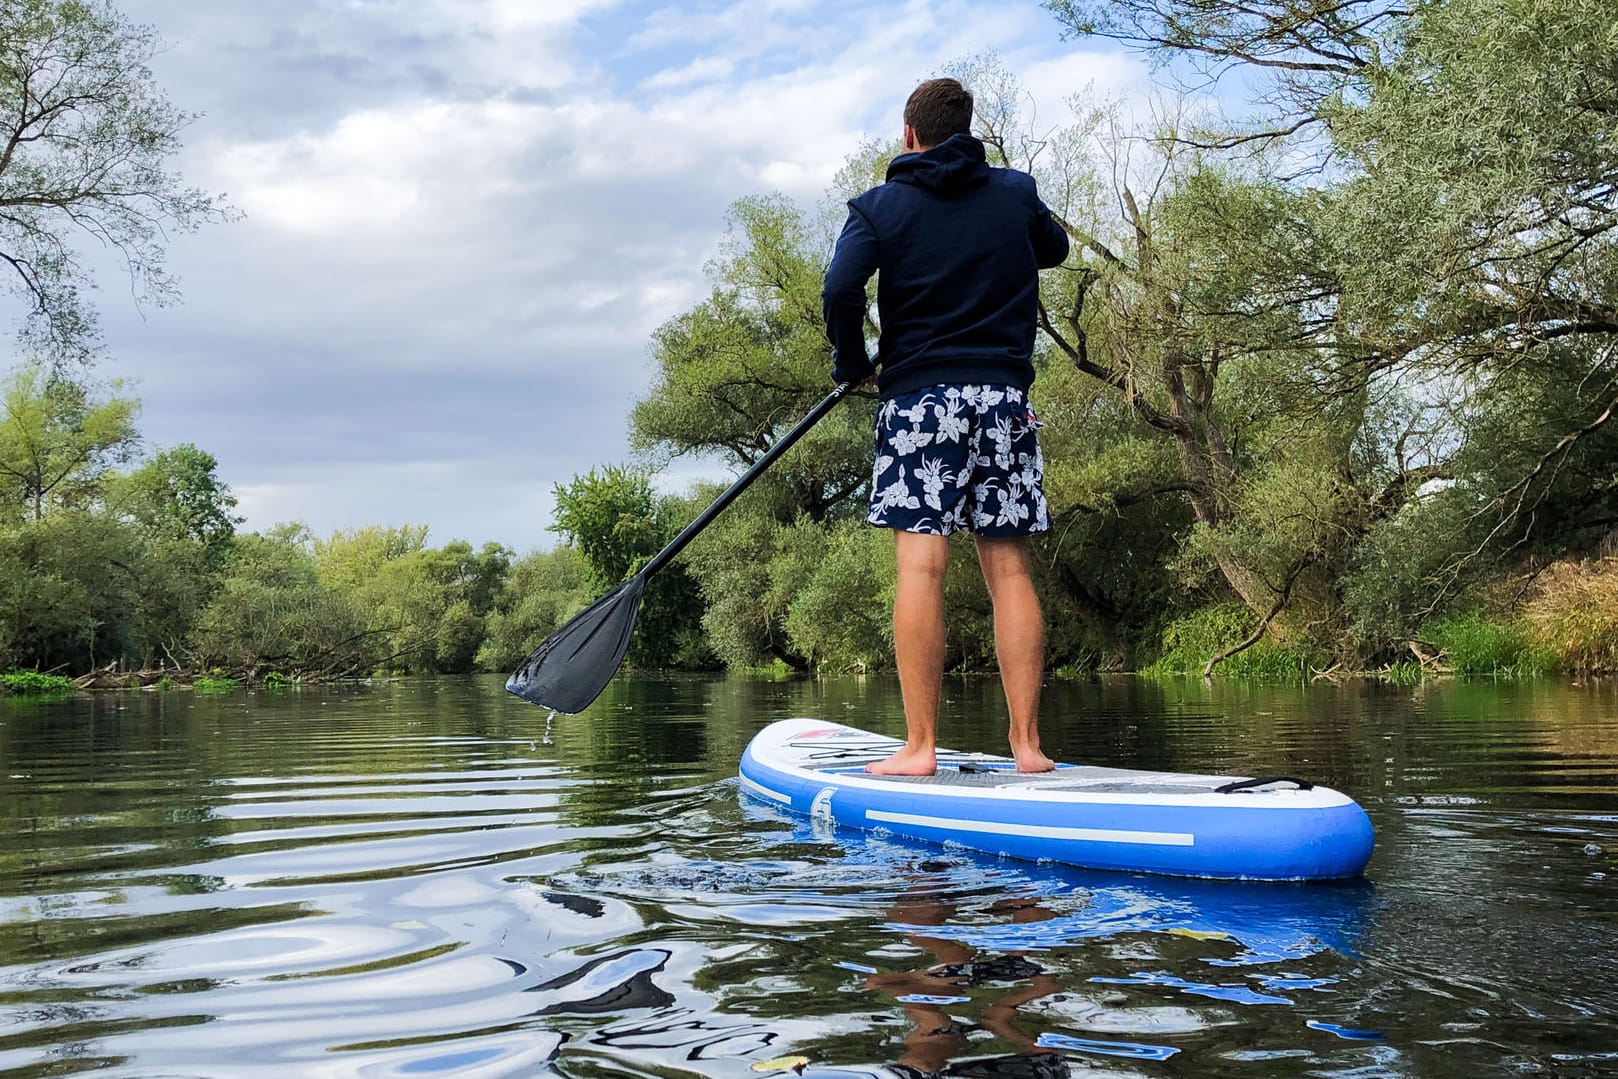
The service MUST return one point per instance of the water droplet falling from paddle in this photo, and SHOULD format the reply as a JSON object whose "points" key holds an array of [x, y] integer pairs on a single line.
{"points": [[548, 719]]}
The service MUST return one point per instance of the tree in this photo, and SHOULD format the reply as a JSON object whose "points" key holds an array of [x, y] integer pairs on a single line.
{"points": [[747, 363], [182, 512], [177, 496], [272, 613], [1456, 163], [1200, 300], [541, 592], [618, 523], [57, 443], [84, 146], [66, 592], [733, 371]]}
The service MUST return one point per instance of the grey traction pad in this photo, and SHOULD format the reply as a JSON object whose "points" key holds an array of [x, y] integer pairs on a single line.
{"points": [[1080, 778]]}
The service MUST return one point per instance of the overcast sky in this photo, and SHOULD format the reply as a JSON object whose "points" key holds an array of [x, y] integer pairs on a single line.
{"points": [[463, 218]]}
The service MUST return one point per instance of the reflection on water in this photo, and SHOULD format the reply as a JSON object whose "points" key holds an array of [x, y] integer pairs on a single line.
{"points": [[423, 878]]}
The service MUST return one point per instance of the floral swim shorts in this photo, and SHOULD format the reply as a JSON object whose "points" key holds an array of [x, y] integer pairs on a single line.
{"points": [[959, 458]]}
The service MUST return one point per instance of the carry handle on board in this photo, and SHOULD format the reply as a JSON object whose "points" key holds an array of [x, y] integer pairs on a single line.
{"points": [[1262, 781], [573, 665]]}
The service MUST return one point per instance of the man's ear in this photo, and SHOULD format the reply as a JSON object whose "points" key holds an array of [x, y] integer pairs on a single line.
{"points": [[912, 144]]}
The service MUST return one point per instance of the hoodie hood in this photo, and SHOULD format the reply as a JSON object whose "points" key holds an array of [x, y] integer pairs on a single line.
{"points": [[955, 165]]}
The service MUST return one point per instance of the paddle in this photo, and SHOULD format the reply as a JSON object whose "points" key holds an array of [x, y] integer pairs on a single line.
{"points": [[573, 665]]}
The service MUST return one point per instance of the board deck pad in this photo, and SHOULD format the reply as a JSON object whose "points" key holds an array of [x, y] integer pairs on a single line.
{"points": [[986, 770], [1066, 778], [1123, 818]]}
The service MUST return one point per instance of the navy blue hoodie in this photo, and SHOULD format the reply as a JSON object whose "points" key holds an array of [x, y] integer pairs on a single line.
{"points": [[959, 247]]}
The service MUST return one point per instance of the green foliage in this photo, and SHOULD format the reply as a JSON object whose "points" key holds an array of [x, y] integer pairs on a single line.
{"points": [[271, 611], [176, 497], [35, 684], [1188, 643], [744, 365], [1350, 376], [617, 523], [1427, 191], [277, 680], [422, 609], [58, 443], [214, 684], [1480, 648], [543, 591], [839, 616], [68, 595], [611, 516], [1403, 673]]}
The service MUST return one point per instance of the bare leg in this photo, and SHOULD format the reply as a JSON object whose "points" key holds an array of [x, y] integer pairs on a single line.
{"points": [[918, 643], [1019, 643]]}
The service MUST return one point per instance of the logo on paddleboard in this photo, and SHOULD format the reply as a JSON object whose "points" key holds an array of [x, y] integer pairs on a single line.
{"points": [[820, 808], [825, 732]]}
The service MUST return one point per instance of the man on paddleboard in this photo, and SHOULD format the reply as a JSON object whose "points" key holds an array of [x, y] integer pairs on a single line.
{"points": [[957, 247]]}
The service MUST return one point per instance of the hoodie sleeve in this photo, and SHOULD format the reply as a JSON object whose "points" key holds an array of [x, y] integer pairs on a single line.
{"points": [[1050, 239], [843, 298]]}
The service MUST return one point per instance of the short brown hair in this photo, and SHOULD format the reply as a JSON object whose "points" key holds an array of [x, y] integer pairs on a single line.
{"points": [[937, 109]]}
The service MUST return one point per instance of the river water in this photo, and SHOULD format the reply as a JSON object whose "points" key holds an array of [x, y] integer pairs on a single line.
{"points": [[424, 878]]}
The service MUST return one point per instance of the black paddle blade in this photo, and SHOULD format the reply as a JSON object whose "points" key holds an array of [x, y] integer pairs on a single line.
{"points": [[574, 664]]}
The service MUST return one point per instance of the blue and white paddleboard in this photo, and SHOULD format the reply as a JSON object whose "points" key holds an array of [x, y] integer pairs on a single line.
{"points": [[1102, 818]]}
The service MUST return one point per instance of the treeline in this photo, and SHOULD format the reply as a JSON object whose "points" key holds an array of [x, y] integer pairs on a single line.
{"points": [[113, 558], [1330, 389]]}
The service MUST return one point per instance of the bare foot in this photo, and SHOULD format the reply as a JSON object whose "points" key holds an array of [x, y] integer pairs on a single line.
{"points": [[906, 762], [1032, 760]]}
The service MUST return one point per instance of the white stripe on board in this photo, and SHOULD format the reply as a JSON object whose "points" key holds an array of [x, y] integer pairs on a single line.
{"points": [[758, 788], [1094, 835]]}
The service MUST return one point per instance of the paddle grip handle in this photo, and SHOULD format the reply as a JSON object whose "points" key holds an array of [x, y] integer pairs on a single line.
{"points": [[784, 443]]}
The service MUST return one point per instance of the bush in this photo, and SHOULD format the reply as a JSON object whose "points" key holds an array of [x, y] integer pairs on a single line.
{"points": [[1189, 642], [214, 685], [839, 617], [35, 684], [1478, 647]]}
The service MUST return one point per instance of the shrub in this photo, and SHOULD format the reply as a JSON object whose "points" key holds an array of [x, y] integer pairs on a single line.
{"points": [[35, 684], [209, 684], [1478, 647], [1189, 642]]}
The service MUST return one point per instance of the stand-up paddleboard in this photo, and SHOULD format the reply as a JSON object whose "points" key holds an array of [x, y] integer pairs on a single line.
{"points": [[1271, 828]]}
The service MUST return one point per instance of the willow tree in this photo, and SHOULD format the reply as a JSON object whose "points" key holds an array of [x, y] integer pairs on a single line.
{"points": [[748, 362], [86, 137], [733, 373], [1464, 154], [1200, 314]]}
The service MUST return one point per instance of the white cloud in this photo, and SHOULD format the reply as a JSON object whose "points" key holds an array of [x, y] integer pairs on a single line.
{"points": [[702, 69]]}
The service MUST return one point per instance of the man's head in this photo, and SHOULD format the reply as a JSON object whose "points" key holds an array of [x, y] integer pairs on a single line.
{"points": [[937, 109]]}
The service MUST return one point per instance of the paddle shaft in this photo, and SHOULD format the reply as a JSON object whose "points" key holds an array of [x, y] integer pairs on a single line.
{"points": [[784, 443]]}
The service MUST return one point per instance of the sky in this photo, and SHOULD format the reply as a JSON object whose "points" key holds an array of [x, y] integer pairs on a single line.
{"points": [[462, 220]]}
